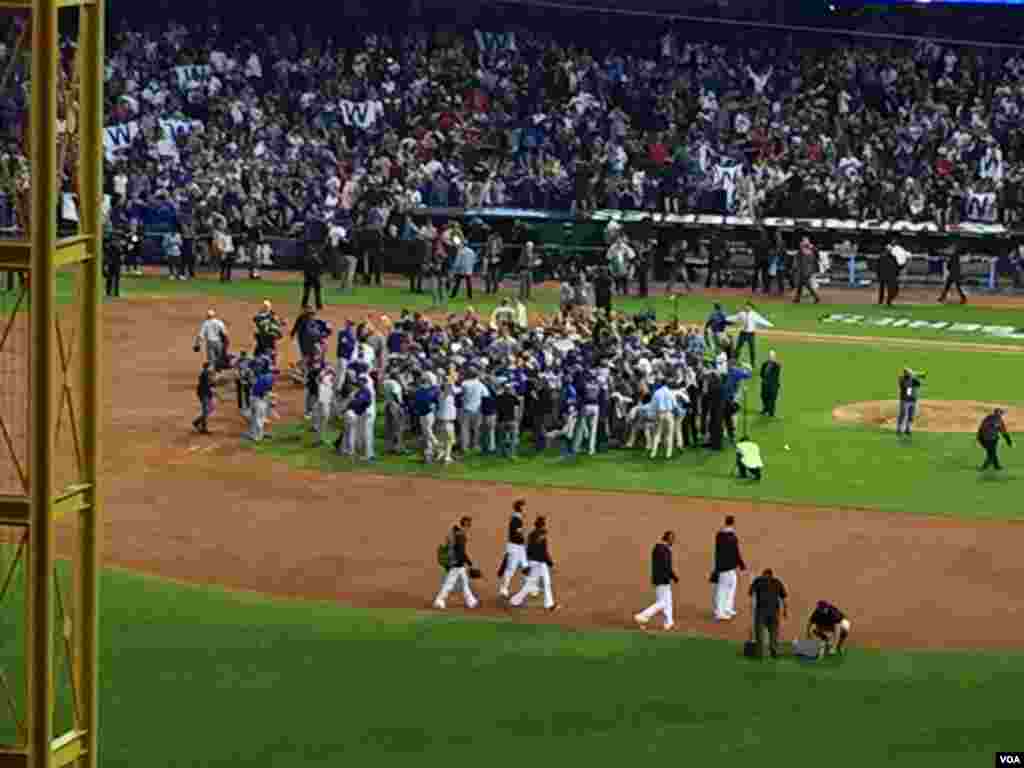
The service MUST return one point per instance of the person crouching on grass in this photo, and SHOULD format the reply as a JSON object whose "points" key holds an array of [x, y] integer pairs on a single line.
{"points": [[828, 623], [748, 459]]}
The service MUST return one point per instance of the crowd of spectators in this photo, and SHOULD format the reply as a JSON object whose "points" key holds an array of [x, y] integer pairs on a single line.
{"points": [[279, 129]]}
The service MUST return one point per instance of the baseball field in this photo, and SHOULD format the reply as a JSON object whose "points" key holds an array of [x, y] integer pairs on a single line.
{"points": [[271, 604]]}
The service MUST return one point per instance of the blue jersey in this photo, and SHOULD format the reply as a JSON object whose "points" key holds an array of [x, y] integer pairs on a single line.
{"points": [[426, 400]]}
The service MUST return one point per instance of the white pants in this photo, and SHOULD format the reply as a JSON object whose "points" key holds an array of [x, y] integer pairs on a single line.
{"points": [[365, 433], [258, 419], [663, 433], [589, 421], [540, 577], [321, 416], [678, 432], [451, 581], [429, 440], [662, 604], [725, 595], [350, 426], [447, 438], [515, 558]]}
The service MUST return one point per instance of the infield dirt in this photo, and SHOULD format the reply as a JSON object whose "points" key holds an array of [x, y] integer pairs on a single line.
{"points": [[205, 509]]}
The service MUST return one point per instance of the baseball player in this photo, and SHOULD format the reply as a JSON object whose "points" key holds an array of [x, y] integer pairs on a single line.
{"points": [[424, 407], [214, 333], [262, 397], [539, 563], [662, 576], [457, 566], [515, 549], [243, 384], [325, 398]]}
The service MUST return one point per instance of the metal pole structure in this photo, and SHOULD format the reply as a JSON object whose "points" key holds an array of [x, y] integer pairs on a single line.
{"points": [[43, 218], [91, 63]]}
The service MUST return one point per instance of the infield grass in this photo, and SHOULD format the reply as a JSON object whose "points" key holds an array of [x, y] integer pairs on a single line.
{"points": [[193, 676], [828, 463], [692, 308]]}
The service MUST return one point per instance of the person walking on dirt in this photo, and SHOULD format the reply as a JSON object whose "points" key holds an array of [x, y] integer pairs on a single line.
{"points": [[539, 566], [727, 562], [662, 576], [992, 426], [214, 333], [205, 392], [457, 565], [515, 549]]}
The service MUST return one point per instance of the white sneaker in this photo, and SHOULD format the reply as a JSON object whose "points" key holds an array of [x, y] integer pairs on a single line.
{"points": [[472, 606], [439, 605], [640, 620], [503, 593]]}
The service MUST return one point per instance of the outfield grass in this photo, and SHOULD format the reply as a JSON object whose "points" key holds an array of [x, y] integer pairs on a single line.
{"points": [[196, 676], [691, 308], [828, 464]]}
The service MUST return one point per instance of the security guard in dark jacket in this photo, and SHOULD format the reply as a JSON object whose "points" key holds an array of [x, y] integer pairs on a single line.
{"points": [[953, 275], [112, 262], [992, 426], [315, 236]]}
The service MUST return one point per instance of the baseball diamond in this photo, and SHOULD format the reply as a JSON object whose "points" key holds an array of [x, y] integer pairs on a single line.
{"points": [[581, 382]]}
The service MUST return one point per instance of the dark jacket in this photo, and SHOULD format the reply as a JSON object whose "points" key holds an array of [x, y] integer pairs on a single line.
{"points": [[992, 426], [661, 565], [457, 555], [908, 388], [771, 372], [515, 530], [537, 547], [727, 551]]}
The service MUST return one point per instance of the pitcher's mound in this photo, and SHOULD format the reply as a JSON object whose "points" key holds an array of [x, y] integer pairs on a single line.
{"points": [[932, 415]]}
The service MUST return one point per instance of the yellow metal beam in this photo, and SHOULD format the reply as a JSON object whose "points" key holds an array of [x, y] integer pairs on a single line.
{"points": [[68, 748], [17, 254], [15, 510], [39, 597], [87, 567], [64, 750]]}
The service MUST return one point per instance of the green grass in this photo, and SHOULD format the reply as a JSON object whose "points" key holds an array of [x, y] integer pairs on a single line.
{"points": [[691, 308], [202, 676], [828, 464]]}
